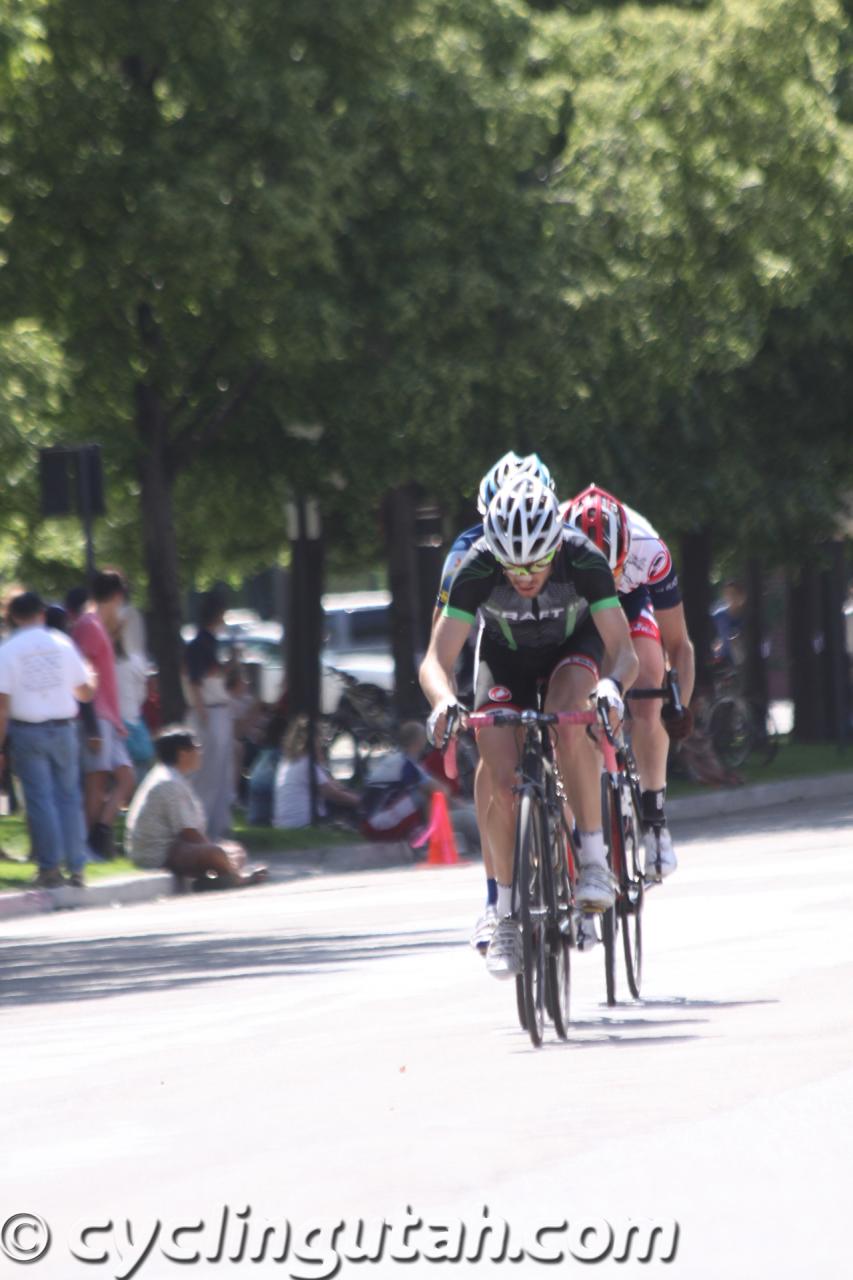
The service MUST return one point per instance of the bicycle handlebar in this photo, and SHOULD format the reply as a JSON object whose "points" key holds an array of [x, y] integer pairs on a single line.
{"points": [[670, 692], [487, 719]]}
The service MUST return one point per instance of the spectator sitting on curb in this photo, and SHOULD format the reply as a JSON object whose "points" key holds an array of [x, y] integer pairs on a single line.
{"points": [[398, 790], [292, 796], [165, 822]]}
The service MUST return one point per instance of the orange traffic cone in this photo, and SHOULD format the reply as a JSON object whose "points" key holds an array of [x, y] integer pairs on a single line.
{"points": [[442, 851]]}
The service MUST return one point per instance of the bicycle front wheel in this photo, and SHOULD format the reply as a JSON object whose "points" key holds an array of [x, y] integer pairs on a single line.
{"points": [[559, 898], [532, 912], [629, 905], [609, 918]]}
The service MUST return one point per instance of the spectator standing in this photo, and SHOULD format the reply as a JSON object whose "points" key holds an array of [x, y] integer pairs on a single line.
{"points": [[42, 678], [211, 717], [729, 618], [165, 822], [109, 778], [132, 685]]}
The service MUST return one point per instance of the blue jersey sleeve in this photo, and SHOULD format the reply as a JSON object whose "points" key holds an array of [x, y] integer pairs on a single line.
{"points": [[455, 556]]}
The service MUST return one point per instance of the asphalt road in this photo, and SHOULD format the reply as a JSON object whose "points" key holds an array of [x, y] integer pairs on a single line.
{"points": [[330, 1050]]}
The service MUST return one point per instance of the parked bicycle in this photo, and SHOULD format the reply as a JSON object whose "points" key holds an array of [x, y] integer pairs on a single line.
{"points": [[737, 725], [362, 726]]}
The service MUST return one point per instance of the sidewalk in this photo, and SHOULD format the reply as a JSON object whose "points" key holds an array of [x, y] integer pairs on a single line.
{"points": [[344, 858]]}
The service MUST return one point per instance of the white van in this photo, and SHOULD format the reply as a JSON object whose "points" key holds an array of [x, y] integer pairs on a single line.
{"points": [[357, 635]]}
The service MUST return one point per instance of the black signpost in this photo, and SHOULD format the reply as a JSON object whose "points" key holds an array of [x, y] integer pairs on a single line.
{"points": [[72, 482]]}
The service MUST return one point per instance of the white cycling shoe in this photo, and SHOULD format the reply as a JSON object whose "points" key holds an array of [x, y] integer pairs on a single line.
{"points": [[504, 957], [660, 855], [595, 889], [483, 930]]}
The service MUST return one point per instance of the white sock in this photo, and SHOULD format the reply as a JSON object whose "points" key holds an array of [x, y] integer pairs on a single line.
{"points": [[504, 900], [591, 852]]}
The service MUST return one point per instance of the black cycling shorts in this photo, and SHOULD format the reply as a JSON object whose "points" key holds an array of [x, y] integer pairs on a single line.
{"points": [[511, 677]]}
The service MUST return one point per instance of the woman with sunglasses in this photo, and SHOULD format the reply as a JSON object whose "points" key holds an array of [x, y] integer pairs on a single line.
{"points": [[549, 612], [508, 467]]}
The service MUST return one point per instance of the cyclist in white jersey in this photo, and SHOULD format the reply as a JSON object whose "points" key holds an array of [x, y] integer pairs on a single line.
{"points": [[651, 598]]}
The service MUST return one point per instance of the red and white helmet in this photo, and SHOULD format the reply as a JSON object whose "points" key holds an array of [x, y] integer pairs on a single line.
{"points": [[602, 518]]}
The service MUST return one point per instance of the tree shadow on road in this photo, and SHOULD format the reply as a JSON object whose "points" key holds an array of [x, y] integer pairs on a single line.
{"points": [[95, 968]]}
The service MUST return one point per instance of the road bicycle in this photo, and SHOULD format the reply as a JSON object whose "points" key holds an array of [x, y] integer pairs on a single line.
{"points": [[543, 902], [622, 823], [738, 726], [362, 727]]}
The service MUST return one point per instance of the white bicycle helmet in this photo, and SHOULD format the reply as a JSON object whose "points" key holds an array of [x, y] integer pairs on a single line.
{"points": [[506, 468], [523, 522]]}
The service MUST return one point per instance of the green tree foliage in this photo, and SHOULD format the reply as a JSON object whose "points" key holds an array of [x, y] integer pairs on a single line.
{"points": [[705, 188], [342, 247]]}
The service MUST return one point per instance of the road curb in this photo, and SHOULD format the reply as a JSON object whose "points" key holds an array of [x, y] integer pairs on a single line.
{"points": [[300, 864], [762, 795], [106, 893]]}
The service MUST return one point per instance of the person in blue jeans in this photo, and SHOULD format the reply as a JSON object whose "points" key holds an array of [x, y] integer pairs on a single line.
{"points": [[42, 679]]}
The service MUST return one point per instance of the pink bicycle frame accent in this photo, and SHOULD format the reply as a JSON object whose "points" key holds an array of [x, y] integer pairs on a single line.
{"points": [[486, 719]]}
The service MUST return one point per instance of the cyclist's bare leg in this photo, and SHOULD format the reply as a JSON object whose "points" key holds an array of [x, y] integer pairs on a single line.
{"points": [[482, 795], [649, 738], [650, 742], [499, 758], [579, 758]]}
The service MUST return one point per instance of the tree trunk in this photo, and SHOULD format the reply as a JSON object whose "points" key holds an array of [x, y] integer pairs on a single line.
{"points": [[756, 639], [304, 630], [807, 645], [696, 551], [400, 541], [834, 658], [430, 559], [160, 551]]}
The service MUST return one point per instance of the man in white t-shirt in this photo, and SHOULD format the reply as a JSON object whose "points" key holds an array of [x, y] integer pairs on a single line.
{"points": [[42, 679]]}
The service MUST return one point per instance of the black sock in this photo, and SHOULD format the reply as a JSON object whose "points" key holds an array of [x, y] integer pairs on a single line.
{"points": [[652, 808]]}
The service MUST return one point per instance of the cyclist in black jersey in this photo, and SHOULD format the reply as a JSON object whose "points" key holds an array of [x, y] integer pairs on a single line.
{"points": [[550, 613], [508, 467]]}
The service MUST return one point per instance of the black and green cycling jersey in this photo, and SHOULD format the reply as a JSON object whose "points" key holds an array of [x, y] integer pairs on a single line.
{"points": [[580, 584]]}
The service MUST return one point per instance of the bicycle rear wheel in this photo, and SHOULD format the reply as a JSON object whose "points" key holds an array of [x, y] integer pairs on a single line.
{"points": [[532, 913]]}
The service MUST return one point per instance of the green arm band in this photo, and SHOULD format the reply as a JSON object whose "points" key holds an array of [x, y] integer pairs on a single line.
{"points": [[447, 612], [610, 603]]}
